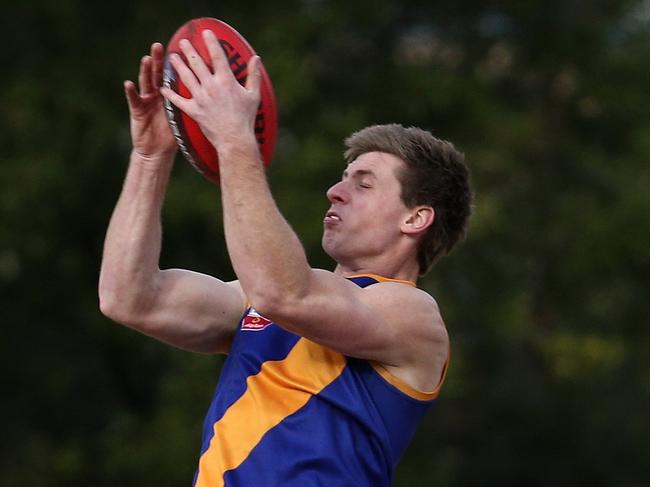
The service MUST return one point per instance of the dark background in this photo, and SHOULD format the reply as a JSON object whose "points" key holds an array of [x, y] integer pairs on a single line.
{"points": [[546, 302]]}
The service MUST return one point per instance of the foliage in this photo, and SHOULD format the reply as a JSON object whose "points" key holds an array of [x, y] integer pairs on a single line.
{"points": [[546, 302]]}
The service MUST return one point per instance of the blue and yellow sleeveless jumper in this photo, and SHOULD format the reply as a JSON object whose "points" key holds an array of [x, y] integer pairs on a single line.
{"points": [[291, 413]]}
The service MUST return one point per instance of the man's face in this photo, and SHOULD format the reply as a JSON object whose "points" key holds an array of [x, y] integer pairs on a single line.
{"points": [[366, 210]]}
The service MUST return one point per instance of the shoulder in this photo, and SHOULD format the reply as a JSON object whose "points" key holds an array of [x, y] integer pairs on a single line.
{"points": [[423, 341], [407, 300], [391, 295], [400, 300]]}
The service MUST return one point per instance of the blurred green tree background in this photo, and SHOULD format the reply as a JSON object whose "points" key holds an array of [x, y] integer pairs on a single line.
{"points": [[546, 302]]}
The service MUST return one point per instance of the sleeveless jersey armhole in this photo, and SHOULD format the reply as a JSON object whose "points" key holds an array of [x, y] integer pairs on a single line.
{"points": [[409, 390]]}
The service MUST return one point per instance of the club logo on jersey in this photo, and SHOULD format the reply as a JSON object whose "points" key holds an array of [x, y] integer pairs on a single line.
{"points": [[253, 321]]}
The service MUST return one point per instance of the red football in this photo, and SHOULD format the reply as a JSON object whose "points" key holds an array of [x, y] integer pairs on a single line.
{"points": [[193, 144]]}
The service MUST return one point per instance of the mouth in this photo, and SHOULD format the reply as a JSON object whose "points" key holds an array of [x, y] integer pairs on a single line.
{"points": [[331, 217]]}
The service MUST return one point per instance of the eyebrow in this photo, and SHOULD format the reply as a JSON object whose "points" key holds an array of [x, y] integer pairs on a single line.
{"points": [[359, 173]]}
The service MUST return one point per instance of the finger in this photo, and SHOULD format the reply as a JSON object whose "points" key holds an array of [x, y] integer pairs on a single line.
{"points": [[194, 60], [158, 58], [132, 97], [217, 55], [254, 78], [185, 104], [144, 76], [184, 73]]}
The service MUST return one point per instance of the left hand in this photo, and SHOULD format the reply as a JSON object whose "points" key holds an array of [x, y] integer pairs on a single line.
{"points": [[152, 138], [224, 109]]}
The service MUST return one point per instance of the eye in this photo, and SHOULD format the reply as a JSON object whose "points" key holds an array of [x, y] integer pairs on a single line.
{"points": [[365, 185]]}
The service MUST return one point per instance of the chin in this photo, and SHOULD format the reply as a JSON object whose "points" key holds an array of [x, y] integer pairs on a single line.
{"points": [[327, 246], [331, 248]]}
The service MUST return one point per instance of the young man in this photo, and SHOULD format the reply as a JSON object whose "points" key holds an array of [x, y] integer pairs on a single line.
{"points": [[328, 373]]}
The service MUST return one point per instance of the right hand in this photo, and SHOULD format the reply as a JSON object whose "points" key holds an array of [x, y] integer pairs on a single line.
{"points": [[224, 109], [150, 132]]}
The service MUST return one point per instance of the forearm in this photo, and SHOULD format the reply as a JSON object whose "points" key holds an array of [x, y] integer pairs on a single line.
{"points": [[265, 252], [133, 239]]}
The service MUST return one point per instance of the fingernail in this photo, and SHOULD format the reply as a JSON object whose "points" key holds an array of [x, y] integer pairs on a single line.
{"points": [[208, 33], [184, 42]]}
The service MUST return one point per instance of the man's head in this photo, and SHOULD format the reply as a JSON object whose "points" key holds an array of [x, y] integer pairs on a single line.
{"points": [[434, 174]]}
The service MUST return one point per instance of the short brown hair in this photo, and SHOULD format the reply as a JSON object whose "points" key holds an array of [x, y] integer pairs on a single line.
{"points": [[435, 175]]}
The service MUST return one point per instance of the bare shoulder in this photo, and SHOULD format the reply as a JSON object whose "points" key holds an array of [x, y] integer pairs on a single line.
{"points": [[410, 303], [422, 347]]}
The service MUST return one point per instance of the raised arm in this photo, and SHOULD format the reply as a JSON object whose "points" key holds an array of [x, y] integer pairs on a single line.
{"points": [[182, 308]]}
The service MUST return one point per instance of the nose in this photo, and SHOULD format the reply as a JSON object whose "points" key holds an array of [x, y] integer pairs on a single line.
{"points": [[337, 193]]}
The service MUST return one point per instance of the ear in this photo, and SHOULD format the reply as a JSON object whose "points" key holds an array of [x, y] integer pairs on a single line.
{"points": [[418, 220]]}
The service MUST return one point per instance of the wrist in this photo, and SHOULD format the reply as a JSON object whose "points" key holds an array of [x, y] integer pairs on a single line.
{"points": [[244, 148], [153, 161]]}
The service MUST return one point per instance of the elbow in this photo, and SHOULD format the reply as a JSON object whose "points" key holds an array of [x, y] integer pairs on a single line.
{"points": [[125, 300], [281, 303], [273, 305], [119, 308], [262, 303], [129, 301], [111, 307], [109, 298]]}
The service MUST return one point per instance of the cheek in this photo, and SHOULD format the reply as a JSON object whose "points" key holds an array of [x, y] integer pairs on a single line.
{"points": [[386, 209], [379, 210], [382, 221]]}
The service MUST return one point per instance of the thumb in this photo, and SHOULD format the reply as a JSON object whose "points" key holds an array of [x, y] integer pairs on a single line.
{"points": [[254, 78]]}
